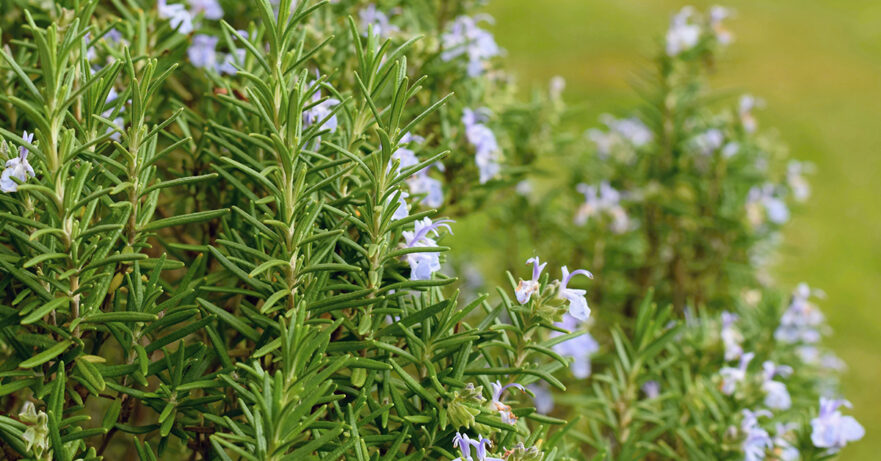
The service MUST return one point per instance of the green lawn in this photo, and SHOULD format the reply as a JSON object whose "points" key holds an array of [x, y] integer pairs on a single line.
{"points": [[818, 66]]}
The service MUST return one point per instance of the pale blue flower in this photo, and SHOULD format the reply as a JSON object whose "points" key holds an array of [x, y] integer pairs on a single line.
{"points": [[632, 130], [799, 186], [831, 429], [745, 110], [403, 209], [524, 188], [580, 348], [782, 446], [486, 147], [410, 137], [465, 37], [370, 16], [432, 188], [606, 200], [405, 157], [651, 389], [487, 165], [776, 395], [481, 453], [577, 301], [202, 52], [178, 17], [419, 183], [423, 264], [556, 86], [91, 54], [228, 64], [731, 337], [464, 444], [802, 320], [526, 288], [778, 212], [504, 410], [210, 8], [543, 398], [683, 33], [730, 149], [731, 376], [757, 441], [114, 36], [762, 202], [118, 122], [717, 15], [321, 112], [830, 361], [482, 138], [17, 167], [622, 134], [709, 141]]}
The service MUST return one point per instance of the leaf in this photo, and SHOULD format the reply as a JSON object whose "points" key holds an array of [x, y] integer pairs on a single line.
{"points": [[44, 310], [46, 355], [184, 219], [114, 259], [232, 320], [123, 317], [43, 258], [413, 385], [18, 385], [91, 374], [179, 182], [267, 265]]}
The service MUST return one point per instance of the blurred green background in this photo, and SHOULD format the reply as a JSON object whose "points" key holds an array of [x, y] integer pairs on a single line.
{"points": [[817, 64]]}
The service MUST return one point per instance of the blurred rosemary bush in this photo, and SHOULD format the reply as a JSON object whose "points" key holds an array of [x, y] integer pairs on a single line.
{"points": [[220, 227]]}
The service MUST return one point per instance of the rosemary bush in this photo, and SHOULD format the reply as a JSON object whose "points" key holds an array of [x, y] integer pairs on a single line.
{"points": [[221, 235]]}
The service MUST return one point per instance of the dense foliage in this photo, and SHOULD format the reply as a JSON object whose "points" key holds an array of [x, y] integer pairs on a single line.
{"points": [[221, 229]]}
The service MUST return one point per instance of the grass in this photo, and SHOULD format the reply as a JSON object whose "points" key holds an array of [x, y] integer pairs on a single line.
{"points": [[817, 65]]}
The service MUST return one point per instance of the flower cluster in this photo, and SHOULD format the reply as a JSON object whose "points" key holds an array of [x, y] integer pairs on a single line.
{"points": [[504, 410], [621, 137], [580, 348], [274, 238], [731, 337], [465, 37], [465, 444], [765, 202], [602, 200], [202, 54], [377, 20], [182, 19], [419, 182], [36, 436], [424, 263], [745, 110], [18, 168], [527, 288], [709, 141], [687, 27], [802, 321], [577, 308], [799, 186], [483, 139], [756, 439], [732, 377], [776, 395]]}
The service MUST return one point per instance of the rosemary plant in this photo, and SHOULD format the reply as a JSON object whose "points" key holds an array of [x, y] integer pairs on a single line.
{"points": [[222, 236]]}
